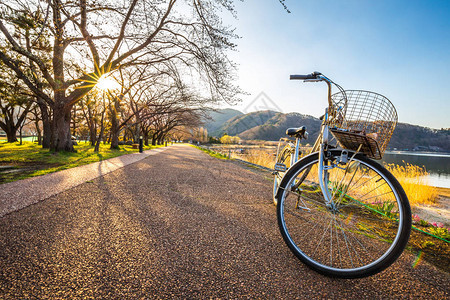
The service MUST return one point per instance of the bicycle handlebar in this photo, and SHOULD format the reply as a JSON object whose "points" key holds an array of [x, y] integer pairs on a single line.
{"points": [[305, 77], [317, 76]]}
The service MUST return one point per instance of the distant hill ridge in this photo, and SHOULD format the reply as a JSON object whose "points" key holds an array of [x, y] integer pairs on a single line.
{"points": [[271, 126], [218, 118]]}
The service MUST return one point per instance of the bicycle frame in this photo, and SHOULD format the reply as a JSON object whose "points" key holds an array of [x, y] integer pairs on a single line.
{"points": [[321, 145], [325, 133]]}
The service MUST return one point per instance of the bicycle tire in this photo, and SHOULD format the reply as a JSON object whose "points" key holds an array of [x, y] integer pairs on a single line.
{"points": [[366, 230], [283, 157]]}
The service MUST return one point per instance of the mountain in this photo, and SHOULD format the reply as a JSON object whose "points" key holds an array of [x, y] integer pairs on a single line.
{"points": [[267, 125], [216, 119], [276, 127], [271, 126], [241, 123], [413, 137]]}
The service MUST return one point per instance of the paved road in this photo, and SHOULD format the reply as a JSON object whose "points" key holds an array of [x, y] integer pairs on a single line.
{"points": [[178, 224], [19, 194]]}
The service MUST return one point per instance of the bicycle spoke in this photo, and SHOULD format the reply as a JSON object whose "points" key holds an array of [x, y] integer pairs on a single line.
{"points": [[379, 195], [331, 242], [307, 198], [353, 232], [311, 229], [337, 242], [323, 235], [362, 184], [309, 214]]}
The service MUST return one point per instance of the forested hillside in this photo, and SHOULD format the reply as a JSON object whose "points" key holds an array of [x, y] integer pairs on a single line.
{"points": [[271, 125], [410, 137]]}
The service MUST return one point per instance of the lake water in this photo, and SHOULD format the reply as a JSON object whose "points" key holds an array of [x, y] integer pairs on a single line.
{"points": [[438, 165]]}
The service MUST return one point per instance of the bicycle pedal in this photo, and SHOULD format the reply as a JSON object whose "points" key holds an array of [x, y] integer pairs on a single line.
{"points": [[304, 208], [280, 167]]}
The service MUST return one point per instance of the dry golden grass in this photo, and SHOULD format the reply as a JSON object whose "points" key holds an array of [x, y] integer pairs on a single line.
{"points": [[414, 181], [413, 178], [259, 157]]}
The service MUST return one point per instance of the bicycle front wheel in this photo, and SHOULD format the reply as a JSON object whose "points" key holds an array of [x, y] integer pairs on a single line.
{"points": [[363, 230]]}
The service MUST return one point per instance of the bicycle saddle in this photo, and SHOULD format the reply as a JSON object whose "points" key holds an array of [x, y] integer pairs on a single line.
{"points": [[299, 132]]}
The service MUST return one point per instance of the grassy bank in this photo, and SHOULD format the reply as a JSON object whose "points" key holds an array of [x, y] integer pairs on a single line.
{"points": [[29, 159], [211, 153], [412, 178], [414, 181]]}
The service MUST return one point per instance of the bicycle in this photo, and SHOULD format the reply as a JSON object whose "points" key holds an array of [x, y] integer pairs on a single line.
{"points": [[339, 211]]}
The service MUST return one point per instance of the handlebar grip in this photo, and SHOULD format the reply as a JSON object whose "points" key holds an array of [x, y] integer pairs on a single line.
{"points": [[304, 77]]}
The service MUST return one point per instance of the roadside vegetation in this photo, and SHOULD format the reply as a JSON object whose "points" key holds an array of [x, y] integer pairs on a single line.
{"points": [[415, 183], [211, 153], [29, 159], [412, 178], [260, 157]]}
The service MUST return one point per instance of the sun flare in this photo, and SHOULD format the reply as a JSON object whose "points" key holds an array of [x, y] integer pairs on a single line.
{"points": [[107, 83]]}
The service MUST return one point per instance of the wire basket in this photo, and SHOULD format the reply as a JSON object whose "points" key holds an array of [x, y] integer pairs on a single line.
{"points": [[363, 120]]}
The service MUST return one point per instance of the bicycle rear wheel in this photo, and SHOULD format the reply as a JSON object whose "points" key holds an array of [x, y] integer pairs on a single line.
{"points": [[283, 158], [362, 233]]}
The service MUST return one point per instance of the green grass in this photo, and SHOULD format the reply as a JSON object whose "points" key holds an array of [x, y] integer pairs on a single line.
{"points": [[29, 159], [211, 153]]}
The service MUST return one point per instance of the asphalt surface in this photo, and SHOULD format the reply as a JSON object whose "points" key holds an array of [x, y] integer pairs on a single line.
{"points": [[179, 224], [19, 194]]}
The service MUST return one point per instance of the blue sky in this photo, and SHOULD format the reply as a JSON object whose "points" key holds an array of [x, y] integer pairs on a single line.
{"points": [[400, 49]]}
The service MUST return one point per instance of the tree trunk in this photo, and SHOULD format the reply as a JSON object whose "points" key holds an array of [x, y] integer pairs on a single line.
{"points": [[114, 139], [11, 136], [46, 124], [102, 127], [9, 125], [74, 121], [114, 132], [10, 130], [61, 140], [61, 137], [20, 132], [160, 137], [93, 134], [154, 139], [39, 134], [145, 133]]}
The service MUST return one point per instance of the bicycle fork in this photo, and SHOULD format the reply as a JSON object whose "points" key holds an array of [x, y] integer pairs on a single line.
{"points": [[323, 166], [323, 177], [323, 174]]}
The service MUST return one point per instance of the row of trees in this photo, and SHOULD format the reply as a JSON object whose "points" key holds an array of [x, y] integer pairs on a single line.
{"points": [[227, 139], [168, 58]]}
